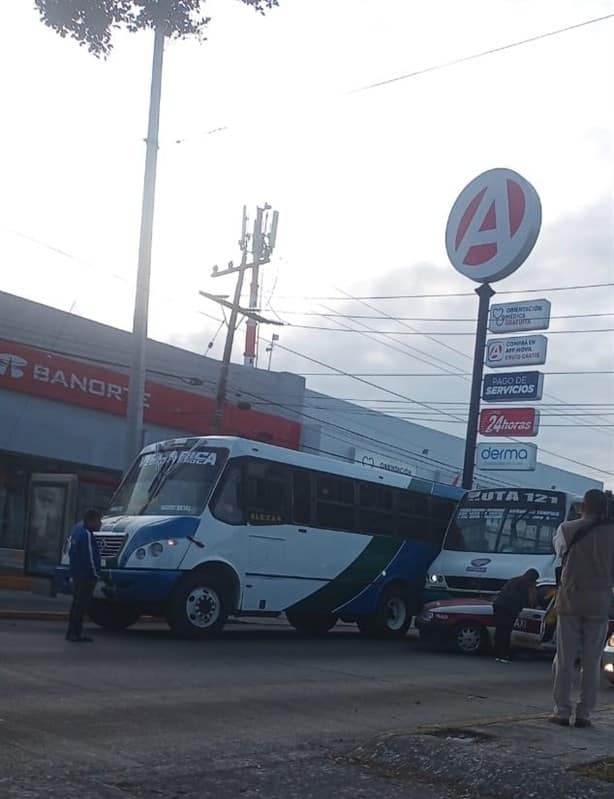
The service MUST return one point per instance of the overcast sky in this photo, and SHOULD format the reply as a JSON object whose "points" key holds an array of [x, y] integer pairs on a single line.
{"points": [[363, 182]]}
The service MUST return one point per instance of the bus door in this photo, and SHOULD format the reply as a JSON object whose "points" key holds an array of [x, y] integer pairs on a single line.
{"points": [[52, 505], [270, 536]]}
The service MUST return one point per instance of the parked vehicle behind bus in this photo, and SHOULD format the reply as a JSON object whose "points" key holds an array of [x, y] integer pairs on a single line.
{"points": [[495, 535], [206, 528]]}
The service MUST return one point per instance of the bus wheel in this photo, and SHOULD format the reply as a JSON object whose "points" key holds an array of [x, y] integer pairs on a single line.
{"points": [[392, 617], [311, 623], [199, 606], [111, 615]]}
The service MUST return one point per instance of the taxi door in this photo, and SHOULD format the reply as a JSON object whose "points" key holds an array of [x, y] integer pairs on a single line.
{"points": [[533, 626]]}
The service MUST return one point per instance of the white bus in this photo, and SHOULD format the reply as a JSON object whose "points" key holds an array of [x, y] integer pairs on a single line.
{"points": [[206, 528], [497, 534]]}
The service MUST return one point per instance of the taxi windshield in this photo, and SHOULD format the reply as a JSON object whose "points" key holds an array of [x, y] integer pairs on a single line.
{"points": [[170, 481]]}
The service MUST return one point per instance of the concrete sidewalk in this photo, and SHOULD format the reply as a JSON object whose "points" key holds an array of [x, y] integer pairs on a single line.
{"points": [[27, 605], [507, 758]]}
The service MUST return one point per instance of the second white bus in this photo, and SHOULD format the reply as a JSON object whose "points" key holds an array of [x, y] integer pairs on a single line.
{"points": [[497, 534]]}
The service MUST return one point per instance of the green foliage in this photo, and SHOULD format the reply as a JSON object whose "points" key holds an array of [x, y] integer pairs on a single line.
{"points": [[92, 22]]}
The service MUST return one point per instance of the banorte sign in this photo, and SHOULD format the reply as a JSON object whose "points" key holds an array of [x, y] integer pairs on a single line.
{"points": [[44, 374]]}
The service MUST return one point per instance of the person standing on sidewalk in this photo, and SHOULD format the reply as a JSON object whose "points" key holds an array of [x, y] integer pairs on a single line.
{"points": [[516, 594], [84, 571], [586, 549]]}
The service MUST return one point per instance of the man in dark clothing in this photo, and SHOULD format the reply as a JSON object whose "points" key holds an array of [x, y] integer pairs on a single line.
{"points": [[84, 570], [516, 594]]}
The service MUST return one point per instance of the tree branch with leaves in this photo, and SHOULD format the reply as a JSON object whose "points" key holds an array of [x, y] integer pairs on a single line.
{"points": [[93, 22]]}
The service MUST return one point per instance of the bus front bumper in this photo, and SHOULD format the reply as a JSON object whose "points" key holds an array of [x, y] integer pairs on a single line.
{"points": [[128, 586]]}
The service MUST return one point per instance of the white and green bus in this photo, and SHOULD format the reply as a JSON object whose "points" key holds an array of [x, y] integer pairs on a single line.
{"points": [[206, 528]]}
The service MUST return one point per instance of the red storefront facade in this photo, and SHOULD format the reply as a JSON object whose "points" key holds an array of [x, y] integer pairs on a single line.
{"points": [[56, 377], [62, 434]]}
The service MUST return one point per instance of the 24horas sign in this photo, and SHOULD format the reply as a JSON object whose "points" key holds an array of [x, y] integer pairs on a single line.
{"points": [[509, 422]]}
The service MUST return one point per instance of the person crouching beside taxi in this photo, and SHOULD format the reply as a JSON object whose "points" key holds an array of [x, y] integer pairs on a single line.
{"points": [[516, 594]]}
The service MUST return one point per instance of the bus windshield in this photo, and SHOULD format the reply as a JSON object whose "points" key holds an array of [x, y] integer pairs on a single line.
{"points": [[507, 522], [170, 481]]}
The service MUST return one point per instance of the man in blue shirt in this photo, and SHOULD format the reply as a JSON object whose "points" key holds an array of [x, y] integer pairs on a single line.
{"points": [[84, 570]]}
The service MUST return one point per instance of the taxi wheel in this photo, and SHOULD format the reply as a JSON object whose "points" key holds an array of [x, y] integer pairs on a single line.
{"points": [[470, 638], [111, 615]]}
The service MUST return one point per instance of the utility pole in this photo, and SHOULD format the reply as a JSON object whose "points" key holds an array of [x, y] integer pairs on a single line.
{"points": [[262, 243], [136, 389]]}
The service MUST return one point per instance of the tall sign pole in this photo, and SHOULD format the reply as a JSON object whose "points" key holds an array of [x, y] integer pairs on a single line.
{"points": [[136, 387], [484, 292], [492, 228]]}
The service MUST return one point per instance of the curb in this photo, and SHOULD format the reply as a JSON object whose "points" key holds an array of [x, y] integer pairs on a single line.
{"points": [[52, 615], [34, 615], [15, 582]]}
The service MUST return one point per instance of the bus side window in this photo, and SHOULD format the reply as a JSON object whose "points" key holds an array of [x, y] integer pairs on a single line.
{"points": [[335, 505], [376, 509], [441, 513], [301, 495], [226, 504], [267, 492], [414, 517]]}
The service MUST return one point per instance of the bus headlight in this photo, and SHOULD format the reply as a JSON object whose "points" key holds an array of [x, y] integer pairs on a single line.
{"points": [[156, 549], [611, 641], [140, 553], [609, 668]]}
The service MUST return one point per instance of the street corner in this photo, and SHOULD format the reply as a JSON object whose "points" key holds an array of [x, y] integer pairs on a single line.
{"points": [[505, 757]]}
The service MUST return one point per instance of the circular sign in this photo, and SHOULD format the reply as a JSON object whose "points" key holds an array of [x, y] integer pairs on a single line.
{"points": [[493, 225]]}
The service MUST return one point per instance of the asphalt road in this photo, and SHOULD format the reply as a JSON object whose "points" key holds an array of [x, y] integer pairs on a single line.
{"points": [[260, 711]]}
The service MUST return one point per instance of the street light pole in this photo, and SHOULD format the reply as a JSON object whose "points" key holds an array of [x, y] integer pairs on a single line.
{"points": [[136, 390]]}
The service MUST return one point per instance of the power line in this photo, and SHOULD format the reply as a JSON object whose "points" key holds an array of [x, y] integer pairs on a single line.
{"points": [[430, 337], [421, 458], [482, 54], [447, 294], [443, 374], [432, 68], [403, 348], [333, 315], [425, 405], [435, 332]]}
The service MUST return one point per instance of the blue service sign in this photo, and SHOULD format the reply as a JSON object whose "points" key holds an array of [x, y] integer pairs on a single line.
{"points": [[513, 387]]}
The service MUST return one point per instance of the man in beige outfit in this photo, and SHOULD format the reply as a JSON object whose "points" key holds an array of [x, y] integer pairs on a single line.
{"points": [[582, 604]]}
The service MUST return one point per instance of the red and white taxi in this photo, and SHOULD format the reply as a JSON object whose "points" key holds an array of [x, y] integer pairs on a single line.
{"points": [[469, 624]]}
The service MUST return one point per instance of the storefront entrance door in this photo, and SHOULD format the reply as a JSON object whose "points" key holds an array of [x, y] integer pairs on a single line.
{"points": [[52, 504]]}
